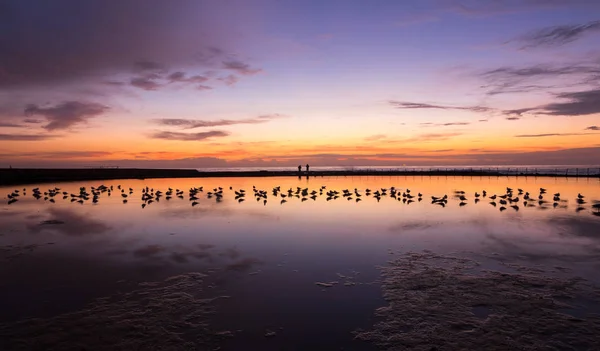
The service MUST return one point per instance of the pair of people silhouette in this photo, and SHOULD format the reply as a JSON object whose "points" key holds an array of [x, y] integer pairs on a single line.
{"points": [[300, 168]]}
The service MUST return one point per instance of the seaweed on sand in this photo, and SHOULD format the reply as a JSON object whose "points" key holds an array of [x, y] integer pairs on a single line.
{"points": [[447, 303], [165, 316]]}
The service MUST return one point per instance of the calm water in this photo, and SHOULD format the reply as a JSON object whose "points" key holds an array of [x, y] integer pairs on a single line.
{"points": [[271, 255]]}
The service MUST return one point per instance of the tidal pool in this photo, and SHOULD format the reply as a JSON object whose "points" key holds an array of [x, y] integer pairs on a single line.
{"points": [[302, 274]]}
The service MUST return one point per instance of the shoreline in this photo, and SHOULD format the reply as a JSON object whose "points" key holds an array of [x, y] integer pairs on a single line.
{"points": [[17, 176]]}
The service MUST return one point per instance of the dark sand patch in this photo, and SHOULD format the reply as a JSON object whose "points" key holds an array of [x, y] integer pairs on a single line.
{"points": [[167, 315], [244, 264], [446, 303], [205, 246], [149, 251], [52, 221], [71, 223], [11, 252], [231, 253]]}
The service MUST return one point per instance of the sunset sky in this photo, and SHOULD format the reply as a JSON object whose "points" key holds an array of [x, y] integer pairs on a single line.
{"points": [[233, 83]]}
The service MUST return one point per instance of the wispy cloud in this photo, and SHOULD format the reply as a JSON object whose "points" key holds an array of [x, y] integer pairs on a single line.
{"points": [[376, 137], [558, 35], [147, 82], [592, 128], [426, 106], [510, 80], [66, 114], [455, 124], [517, 113], [113, 83], [197, 123], [241, 67], [147, 65], [60, 154], [549, 135], [154, 81], [229, 80], [26, 137], [189, 136], [514, 118], [432, 137], [10, 125], [580, 103], [449, 124], [487, 8], [540, 70], [440, 150], [484, 8], [181, 77]]}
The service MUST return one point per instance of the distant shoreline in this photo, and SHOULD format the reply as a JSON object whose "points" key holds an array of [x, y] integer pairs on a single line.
{"points": [[15, 176]]}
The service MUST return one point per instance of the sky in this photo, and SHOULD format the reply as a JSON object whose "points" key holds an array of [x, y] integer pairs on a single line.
{"points": [[259, 83]]}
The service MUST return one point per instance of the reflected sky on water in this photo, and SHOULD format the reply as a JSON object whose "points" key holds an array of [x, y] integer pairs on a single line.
{"points": [[270, 255]]}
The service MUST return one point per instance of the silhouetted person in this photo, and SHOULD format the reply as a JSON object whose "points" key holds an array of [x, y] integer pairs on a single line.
{"points": [[307, 167], [299, 168]]}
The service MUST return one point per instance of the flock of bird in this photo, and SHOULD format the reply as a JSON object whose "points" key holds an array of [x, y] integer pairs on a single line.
{"points": [[509, 199], [523, 198]]}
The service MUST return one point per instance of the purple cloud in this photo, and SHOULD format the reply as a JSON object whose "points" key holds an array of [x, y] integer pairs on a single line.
{"points": [[180, 77], [508, 80], [101, 38], [145, 66], [517, 113], [230, 79], [241, 68], [10, 125], [418, 106], [580, 103], [147, 82], [559, 35], [66, 114], [197, 123], [33, 121]]}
